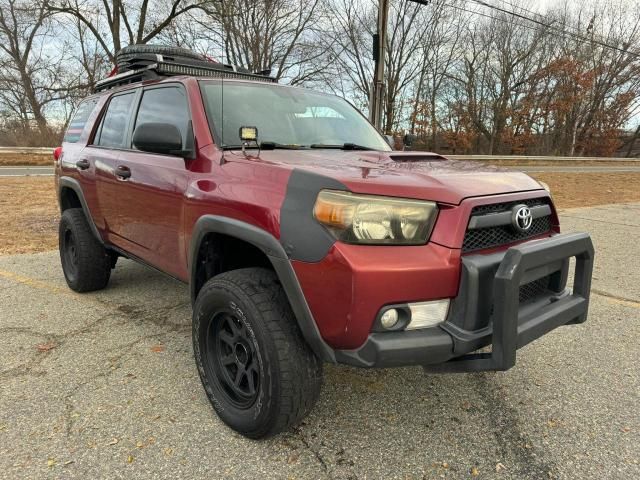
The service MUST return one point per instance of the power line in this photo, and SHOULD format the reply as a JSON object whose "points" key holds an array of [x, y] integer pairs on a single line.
{"points": [[557, 30]]}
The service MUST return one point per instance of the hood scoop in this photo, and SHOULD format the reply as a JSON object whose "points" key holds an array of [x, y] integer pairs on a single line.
{"points": [[416, 157]]}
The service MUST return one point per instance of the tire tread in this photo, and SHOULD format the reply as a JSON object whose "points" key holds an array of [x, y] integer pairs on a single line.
{"points": [[300, 370]]}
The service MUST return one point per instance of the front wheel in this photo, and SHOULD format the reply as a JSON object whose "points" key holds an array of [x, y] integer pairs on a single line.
{"points": [[258, 372]]}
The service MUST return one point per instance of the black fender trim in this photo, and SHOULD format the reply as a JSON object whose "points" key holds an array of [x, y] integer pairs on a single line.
{"points": [[276, 254], [73, 184], [302, 237]]}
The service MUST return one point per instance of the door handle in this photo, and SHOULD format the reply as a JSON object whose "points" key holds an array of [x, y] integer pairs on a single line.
{"points": [[123, 172], [83, 164]]}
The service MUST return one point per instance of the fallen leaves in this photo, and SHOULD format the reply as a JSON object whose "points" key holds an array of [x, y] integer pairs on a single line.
{"points": [[552, 423], [130, 459], [45, 347], [500, 467], [158, 348], [474, 471], [113, 442]]}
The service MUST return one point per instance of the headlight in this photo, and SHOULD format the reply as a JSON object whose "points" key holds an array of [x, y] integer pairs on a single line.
{"points": [[375, 220]]}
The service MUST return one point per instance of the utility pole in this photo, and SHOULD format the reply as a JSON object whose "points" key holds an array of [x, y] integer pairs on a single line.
{"points": [[377, 88], [379, 45]]}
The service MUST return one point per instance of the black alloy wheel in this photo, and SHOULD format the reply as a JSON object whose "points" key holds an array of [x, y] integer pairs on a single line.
{"points": [[234, 359], [258, 372]]}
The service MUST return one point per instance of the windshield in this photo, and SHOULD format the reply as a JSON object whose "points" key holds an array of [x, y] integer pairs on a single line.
{"points": [[287, 117]]}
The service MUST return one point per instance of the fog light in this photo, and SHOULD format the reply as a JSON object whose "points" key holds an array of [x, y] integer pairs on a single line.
{"points": [[428, 314], [389, 318]]}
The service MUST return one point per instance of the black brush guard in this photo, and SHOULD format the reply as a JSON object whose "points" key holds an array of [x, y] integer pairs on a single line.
{"points": [[511, 328]]}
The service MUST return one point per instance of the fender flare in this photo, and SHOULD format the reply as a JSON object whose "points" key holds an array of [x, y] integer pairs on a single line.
{"points": [[276, 254], [73, 184]]}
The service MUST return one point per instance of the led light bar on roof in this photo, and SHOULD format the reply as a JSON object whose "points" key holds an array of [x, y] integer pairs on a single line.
{"points": [[167, 69]]}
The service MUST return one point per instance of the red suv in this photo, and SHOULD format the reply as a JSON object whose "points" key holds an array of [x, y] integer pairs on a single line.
{"points": [[304, 237]]}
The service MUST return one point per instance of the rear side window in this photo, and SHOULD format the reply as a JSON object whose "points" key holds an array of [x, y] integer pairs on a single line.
{"points": [[165, 105], [79, 121], [113, 129]]}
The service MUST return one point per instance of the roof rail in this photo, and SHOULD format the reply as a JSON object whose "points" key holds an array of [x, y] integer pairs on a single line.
{"points": [[168, 69]]}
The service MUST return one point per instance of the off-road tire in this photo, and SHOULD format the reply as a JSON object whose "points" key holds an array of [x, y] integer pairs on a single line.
{"points": [[85, 261], [290, 375], [130, 52]]}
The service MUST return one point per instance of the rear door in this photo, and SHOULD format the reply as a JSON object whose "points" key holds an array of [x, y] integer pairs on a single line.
{"points": [[103, 155], [148, 203]]}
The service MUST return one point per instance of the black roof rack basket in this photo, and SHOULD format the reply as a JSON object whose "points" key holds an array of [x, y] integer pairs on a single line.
{"points": [[167, 69]]}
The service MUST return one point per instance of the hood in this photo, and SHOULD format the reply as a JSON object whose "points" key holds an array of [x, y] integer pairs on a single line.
{"points": [[420, 175]]}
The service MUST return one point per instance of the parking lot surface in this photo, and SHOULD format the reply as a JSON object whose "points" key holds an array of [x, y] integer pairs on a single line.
{"points": [[103, 385]]}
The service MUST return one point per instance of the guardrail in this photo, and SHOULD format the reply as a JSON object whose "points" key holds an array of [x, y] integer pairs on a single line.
{"points": [[484, 158], [540, 158], [26, 150]]}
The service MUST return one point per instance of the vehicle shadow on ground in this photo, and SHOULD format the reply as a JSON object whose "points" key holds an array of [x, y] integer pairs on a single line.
{"points": [[374, 422]]}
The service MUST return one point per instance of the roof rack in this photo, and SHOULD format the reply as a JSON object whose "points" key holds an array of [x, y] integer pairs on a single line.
{"points": [[167, 69]]}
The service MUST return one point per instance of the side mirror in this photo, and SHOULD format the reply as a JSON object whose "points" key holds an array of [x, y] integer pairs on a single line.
{"points": [[408, 140], [162, 138], [391, 141]]}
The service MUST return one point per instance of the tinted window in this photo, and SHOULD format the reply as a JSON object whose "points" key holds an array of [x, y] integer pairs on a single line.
{"points": [[165, 105], [290, 116], [114, 123], [80, 117]]}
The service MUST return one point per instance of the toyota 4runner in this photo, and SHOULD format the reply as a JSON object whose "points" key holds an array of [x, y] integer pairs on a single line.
{"points": [[304, 238]]}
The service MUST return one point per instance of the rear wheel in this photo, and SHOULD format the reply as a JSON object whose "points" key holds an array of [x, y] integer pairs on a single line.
{"points": [[85, 262], [258, 372]]}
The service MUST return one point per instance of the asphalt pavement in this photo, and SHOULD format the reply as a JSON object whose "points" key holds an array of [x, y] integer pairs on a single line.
{"points": [[103, 385], [48, 171]]}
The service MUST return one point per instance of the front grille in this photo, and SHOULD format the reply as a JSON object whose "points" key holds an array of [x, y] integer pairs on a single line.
{"points": [[535, 289], [482, 238]]}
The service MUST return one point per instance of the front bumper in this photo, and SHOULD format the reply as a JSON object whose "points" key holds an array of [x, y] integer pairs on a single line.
{"points": [[488, 311]]}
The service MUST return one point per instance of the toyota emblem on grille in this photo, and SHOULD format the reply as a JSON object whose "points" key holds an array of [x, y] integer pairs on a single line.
{"points": [[521, 218]]}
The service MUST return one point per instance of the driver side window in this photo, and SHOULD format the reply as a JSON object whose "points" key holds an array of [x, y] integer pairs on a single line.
{"points": [[165, 105]]}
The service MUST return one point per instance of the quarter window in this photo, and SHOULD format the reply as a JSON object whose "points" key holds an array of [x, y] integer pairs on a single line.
{"points": [[113, 130], [80, 117], [165, 105]]}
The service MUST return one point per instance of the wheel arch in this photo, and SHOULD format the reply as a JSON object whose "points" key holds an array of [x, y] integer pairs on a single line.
{"points": [[216, 227], [70, 196]]}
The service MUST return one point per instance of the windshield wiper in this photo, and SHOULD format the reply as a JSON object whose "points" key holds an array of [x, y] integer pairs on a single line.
{"points": [[344, 146], [280, 146], [266, 146]]}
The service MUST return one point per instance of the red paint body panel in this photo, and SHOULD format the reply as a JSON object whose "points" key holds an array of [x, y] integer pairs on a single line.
{"points": [[152, 214], [346, 289]]}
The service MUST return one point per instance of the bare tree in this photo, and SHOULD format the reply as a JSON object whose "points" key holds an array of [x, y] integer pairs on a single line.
{"points": [[349, 50], [275, 35], [29, 82], [127, 22], [440, 53]]}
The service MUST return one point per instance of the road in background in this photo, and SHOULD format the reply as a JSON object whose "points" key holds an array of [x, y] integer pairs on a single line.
{"points": [[103, 385], [25, 171]]}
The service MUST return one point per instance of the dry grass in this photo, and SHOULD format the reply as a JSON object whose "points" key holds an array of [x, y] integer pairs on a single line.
{"points": [[29, 212], [25, 159], [572, 190], [29, 219]]}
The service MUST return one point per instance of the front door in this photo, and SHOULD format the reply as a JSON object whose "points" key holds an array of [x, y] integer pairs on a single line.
{"points": [[147, 190]]}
